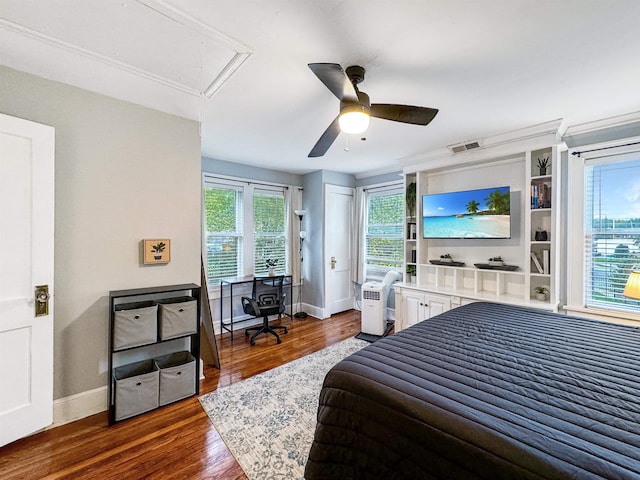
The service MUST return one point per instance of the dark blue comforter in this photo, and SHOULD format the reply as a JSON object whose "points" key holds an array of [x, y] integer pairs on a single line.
{"points": [[485, 391]]}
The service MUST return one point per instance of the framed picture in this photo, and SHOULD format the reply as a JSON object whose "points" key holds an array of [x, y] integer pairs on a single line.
{"points": [[156, 251]]}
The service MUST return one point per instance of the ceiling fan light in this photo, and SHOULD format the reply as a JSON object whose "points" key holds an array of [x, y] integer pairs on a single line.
{"points": [[354, 121]]}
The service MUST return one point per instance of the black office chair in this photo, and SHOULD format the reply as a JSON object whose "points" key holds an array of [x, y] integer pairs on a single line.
{"points": [[267, 298]]}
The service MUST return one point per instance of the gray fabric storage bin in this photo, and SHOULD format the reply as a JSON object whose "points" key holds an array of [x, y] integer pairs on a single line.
{"points": [[136, 388], [135, 324], [177, 376], [178, 316]]}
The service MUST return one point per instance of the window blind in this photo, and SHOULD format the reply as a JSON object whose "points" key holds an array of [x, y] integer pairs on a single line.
{"points": [[383, 238], [223, 232], [270, 232]]}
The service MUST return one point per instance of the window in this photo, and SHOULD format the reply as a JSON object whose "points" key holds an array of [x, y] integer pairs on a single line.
{"points": [[269, 226], [611, 231], [384, 241], [223, 232], [245, 224]]}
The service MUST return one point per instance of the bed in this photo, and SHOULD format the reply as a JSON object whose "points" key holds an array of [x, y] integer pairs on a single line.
{"points": [[485, 391]]}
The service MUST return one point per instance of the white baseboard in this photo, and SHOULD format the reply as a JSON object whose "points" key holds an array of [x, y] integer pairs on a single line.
{"points": [[80, 405], [84, 404]]}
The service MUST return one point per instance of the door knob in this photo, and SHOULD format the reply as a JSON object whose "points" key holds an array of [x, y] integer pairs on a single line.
{"points": [[333, 263], [42, 300]]}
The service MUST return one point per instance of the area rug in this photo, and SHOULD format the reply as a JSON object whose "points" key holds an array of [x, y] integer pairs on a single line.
{"points": [[268, 420]]}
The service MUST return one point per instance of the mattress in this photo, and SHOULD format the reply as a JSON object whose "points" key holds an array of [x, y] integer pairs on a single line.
{"points": [[485, 391]]}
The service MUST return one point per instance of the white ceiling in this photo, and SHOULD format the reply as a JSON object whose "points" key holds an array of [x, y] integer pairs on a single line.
{"points": [[490, 66]]}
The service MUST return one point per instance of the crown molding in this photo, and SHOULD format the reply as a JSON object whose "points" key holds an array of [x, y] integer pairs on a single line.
{"points": [[103, 59], [241, 51], [609, 122], [494, 147]]}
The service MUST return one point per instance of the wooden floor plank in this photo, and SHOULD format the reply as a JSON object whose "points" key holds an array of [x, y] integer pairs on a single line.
{"points": [[177, 441]]}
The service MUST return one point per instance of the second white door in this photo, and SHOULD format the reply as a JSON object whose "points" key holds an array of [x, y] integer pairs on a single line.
{"points": [[338, 225]]}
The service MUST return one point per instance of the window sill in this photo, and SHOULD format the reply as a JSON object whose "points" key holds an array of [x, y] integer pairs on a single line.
{"points": [[606, 315]]}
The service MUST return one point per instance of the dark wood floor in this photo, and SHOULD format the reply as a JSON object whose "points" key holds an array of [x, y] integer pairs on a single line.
{"points": [[174, 442]]}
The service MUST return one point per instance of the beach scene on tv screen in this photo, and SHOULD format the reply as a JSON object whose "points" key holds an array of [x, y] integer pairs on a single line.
{"points": [[481, 213]]}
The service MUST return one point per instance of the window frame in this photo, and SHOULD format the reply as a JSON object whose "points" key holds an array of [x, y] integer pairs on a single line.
{"points": [[578, 261], [247, 189], [264, 190], [378, 272]]}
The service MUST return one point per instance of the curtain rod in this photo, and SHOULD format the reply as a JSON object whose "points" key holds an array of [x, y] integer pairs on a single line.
{"points": [[604, 148], [242, 180]]}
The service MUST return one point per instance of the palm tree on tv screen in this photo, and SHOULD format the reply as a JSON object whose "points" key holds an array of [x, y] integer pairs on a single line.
{"points": [[498, 203], [472, 206]]}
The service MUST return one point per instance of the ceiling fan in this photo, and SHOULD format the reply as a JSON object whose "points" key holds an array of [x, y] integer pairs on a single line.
{"points": [[355, 108]]}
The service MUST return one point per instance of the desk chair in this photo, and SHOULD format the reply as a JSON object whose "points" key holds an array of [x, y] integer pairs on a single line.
{"points": [[267, 298]]}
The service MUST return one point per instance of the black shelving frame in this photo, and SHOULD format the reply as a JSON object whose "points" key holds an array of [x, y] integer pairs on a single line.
{"points": [[135, 295]]}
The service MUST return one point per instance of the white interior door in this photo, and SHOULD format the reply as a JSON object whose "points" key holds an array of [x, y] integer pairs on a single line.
{"points": [[338, 225], [26, 261]]}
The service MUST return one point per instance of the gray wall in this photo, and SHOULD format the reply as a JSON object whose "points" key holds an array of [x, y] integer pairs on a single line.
{"points": [[123, 173]]}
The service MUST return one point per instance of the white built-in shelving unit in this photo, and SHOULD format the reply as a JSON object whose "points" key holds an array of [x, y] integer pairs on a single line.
{"points": [[513, 161]]}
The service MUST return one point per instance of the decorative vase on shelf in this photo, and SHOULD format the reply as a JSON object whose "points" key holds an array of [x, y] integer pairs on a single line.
{"points": [[541, 297], [541, 236]]}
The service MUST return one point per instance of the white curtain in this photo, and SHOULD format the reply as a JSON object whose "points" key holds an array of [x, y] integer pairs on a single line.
{"points": [[358, 256]]}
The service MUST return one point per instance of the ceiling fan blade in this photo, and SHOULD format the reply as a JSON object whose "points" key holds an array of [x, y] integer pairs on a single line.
{"points": [[403, 113], [335, 79], [326, 140]]}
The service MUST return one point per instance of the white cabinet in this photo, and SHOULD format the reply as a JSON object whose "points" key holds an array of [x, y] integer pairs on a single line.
{"points": [[416, 305]]}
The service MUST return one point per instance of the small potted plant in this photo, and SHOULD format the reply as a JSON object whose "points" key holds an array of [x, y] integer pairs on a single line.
{"points": [[496, 261], [542, 165], [411, 273], [446, 258], [271, 266], [541, 293]]}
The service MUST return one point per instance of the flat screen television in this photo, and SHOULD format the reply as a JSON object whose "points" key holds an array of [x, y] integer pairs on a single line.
{"points": [[480, 213]]}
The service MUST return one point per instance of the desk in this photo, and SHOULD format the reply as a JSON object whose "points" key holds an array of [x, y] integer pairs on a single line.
{"points": [[230, 282]]}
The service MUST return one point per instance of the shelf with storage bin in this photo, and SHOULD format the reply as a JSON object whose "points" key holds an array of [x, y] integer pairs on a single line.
{"points": [[154, 348]]}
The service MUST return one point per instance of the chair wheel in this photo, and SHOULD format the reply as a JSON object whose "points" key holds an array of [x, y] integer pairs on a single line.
{"points": [[253, 343], [279, 341], [286, 331], [246, 334]]}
